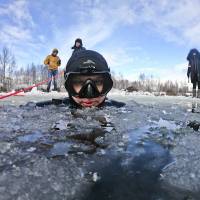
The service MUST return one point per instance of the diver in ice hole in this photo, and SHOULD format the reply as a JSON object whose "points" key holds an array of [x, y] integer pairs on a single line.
{"points": [[87, 81]]}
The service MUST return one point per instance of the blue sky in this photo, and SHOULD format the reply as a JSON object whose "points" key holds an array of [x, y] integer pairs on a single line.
{"points": [[135, 36]]}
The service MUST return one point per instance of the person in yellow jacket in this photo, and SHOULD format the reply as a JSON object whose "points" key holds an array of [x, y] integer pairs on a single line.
{"points": [[53, 62]]}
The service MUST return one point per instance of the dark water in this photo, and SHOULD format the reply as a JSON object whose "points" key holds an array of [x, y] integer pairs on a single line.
{"points": [[133, 175]]}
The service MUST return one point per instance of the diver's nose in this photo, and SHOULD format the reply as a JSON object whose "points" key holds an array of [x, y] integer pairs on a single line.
{"points": [[89, 90]]}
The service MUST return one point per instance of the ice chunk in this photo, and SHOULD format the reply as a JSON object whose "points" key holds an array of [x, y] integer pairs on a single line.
{"points": [[95, 177], [4, 147], [30, 137]]}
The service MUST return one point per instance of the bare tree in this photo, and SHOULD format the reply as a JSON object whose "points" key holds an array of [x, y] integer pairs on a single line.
{"points": [[11, 67], [33, 73], [5, 61]]}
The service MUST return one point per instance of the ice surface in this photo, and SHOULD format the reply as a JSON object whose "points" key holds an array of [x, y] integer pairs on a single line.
{"points": [[30, 137], [48, 153]]}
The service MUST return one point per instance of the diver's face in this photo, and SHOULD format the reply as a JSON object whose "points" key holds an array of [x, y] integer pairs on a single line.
{"points": [[78, 83]]}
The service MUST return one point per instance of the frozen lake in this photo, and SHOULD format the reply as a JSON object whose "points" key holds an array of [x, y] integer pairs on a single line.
{"points": [[144, 150]]}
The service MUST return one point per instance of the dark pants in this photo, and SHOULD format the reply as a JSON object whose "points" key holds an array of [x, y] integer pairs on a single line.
{"points": [[195, 85], [52, 73], [195, 81]]}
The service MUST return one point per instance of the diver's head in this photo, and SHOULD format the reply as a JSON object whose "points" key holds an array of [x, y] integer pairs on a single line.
{"points": [[87, 78]]}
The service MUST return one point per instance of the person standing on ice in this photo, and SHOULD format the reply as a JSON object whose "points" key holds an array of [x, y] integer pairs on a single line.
{"points": [[78, 46], [53, 62], [194, 70]]}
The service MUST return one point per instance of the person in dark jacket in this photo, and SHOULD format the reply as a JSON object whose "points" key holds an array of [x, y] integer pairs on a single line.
{"points": [[78, 46], [87, 81], [194, 70]]}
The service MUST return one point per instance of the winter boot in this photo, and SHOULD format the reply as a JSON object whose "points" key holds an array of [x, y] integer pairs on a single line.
{"points": [[49, 86], [194, 93], [48, 89], [198, 93], [55, 85]]}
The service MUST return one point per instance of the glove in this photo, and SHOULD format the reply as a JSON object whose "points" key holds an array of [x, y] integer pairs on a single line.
{"points": [[59, 62]]}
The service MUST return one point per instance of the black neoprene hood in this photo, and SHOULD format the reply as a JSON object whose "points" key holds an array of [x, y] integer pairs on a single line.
{"points": [[87, 58]]}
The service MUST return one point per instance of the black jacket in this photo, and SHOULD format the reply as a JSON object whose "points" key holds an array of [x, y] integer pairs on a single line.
{"points": [[68, 102], [77, 49], [194, 65]]}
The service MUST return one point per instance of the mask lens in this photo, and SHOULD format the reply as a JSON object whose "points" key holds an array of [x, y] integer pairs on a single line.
{"points": [[78, 81], [99, 84], [77, 84]]}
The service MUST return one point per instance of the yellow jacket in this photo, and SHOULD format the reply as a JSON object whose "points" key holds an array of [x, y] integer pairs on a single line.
{"points": [[53, 62]]}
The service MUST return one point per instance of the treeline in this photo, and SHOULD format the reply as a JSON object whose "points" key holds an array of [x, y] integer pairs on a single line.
{"points": [[148, 84], [12, 77], [7, 66], [32, 74]]}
